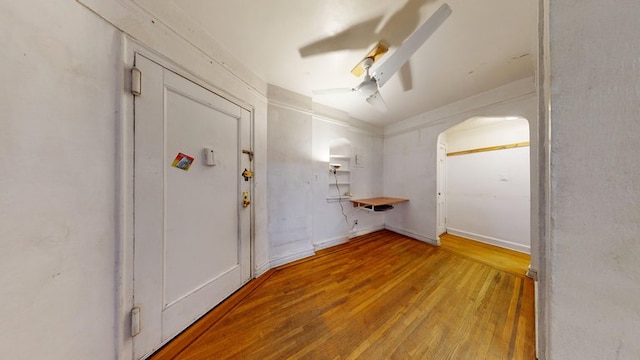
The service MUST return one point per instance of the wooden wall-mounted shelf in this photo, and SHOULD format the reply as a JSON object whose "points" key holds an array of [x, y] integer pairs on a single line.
{"points": [[378, 203]]}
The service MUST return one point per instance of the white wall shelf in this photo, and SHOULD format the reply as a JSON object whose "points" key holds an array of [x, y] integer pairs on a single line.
{"points": [[336, 198], [340, 180]]}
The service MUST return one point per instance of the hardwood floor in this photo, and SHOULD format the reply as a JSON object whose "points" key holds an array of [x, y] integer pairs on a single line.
{"points": [[380, 296], [510, 261]]}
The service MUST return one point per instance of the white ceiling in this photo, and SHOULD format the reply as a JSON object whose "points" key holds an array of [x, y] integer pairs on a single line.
{"points": [[483, 44]]}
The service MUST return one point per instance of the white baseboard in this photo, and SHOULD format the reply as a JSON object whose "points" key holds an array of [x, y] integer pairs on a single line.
{"points": [[275, 262], [532, 273], [491, 241], [368, 230], [262, 269], [413, 235], [327, 243], [323, 244]]}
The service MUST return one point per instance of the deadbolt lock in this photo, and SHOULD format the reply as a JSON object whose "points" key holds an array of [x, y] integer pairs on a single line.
{"points": [[245, 199]]}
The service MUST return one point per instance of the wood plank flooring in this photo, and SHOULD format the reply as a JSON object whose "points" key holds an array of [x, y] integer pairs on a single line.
{"points": [[380, 296], [513, 262]]}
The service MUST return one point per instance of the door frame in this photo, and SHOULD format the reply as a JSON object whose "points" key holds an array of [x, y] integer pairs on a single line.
{"points": [[441, 185], [124, 190]]}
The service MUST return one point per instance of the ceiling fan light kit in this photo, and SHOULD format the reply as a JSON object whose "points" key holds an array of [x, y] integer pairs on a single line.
{"points": [[371, 84], [368, 86]]}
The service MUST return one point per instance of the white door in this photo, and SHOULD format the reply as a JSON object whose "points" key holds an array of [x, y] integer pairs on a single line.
{"points": [[192, 232], [441, 186]]}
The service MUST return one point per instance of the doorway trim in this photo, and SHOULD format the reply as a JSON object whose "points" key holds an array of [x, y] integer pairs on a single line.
{"points": [[441, 185]]}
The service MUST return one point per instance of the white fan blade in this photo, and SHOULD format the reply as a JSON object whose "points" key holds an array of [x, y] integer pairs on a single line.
{"points": [[378, 102], [332, 91], [387, 69]]}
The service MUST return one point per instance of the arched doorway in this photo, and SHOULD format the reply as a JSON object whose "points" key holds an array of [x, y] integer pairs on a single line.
{"points": [[483, 182]]}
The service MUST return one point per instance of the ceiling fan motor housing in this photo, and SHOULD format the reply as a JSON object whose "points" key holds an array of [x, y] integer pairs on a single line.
{"points": [[368, 87]]}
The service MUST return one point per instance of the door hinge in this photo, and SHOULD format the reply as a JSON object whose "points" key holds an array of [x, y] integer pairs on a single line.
{"points": [[136, 81], [135, 321]]}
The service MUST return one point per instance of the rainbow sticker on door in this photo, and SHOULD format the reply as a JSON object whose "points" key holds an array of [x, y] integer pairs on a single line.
{"points": [[182, 161]]}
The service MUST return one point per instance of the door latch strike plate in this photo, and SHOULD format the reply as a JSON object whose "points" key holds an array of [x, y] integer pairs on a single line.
{"points": [[248, 152]]}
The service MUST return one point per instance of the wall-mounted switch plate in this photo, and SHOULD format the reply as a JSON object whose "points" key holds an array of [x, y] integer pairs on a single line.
{"points": [[358, 160]]}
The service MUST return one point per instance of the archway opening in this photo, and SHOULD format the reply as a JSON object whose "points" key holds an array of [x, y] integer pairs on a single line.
{"points": [[484, 187]]}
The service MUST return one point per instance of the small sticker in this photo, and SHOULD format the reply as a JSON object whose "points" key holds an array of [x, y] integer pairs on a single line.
{"points": [[182, 161]]}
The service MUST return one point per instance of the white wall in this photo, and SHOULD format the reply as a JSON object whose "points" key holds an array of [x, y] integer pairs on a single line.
{"points": [[329, 225], [65, 264], [488, 192], [301, 220], [67, 136], [488, 197], [289, 176], [593, 264], [410, 172], [61, 68], [410, 154]]}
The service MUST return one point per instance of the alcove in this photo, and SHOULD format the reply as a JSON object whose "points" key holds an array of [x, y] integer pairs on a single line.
{"points": [[339, 187]]}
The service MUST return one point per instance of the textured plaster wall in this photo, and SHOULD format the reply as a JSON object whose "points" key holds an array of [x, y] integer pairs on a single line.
{"points": [[61, 69], [289, 179], [594, 254]]}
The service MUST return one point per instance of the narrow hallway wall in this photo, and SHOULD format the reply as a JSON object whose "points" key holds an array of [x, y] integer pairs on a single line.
{"points": [[594, 256]]}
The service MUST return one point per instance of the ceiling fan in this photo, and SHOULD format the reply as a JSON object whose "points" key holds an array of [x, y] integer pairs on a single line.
{"points": [[371, 84]]}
